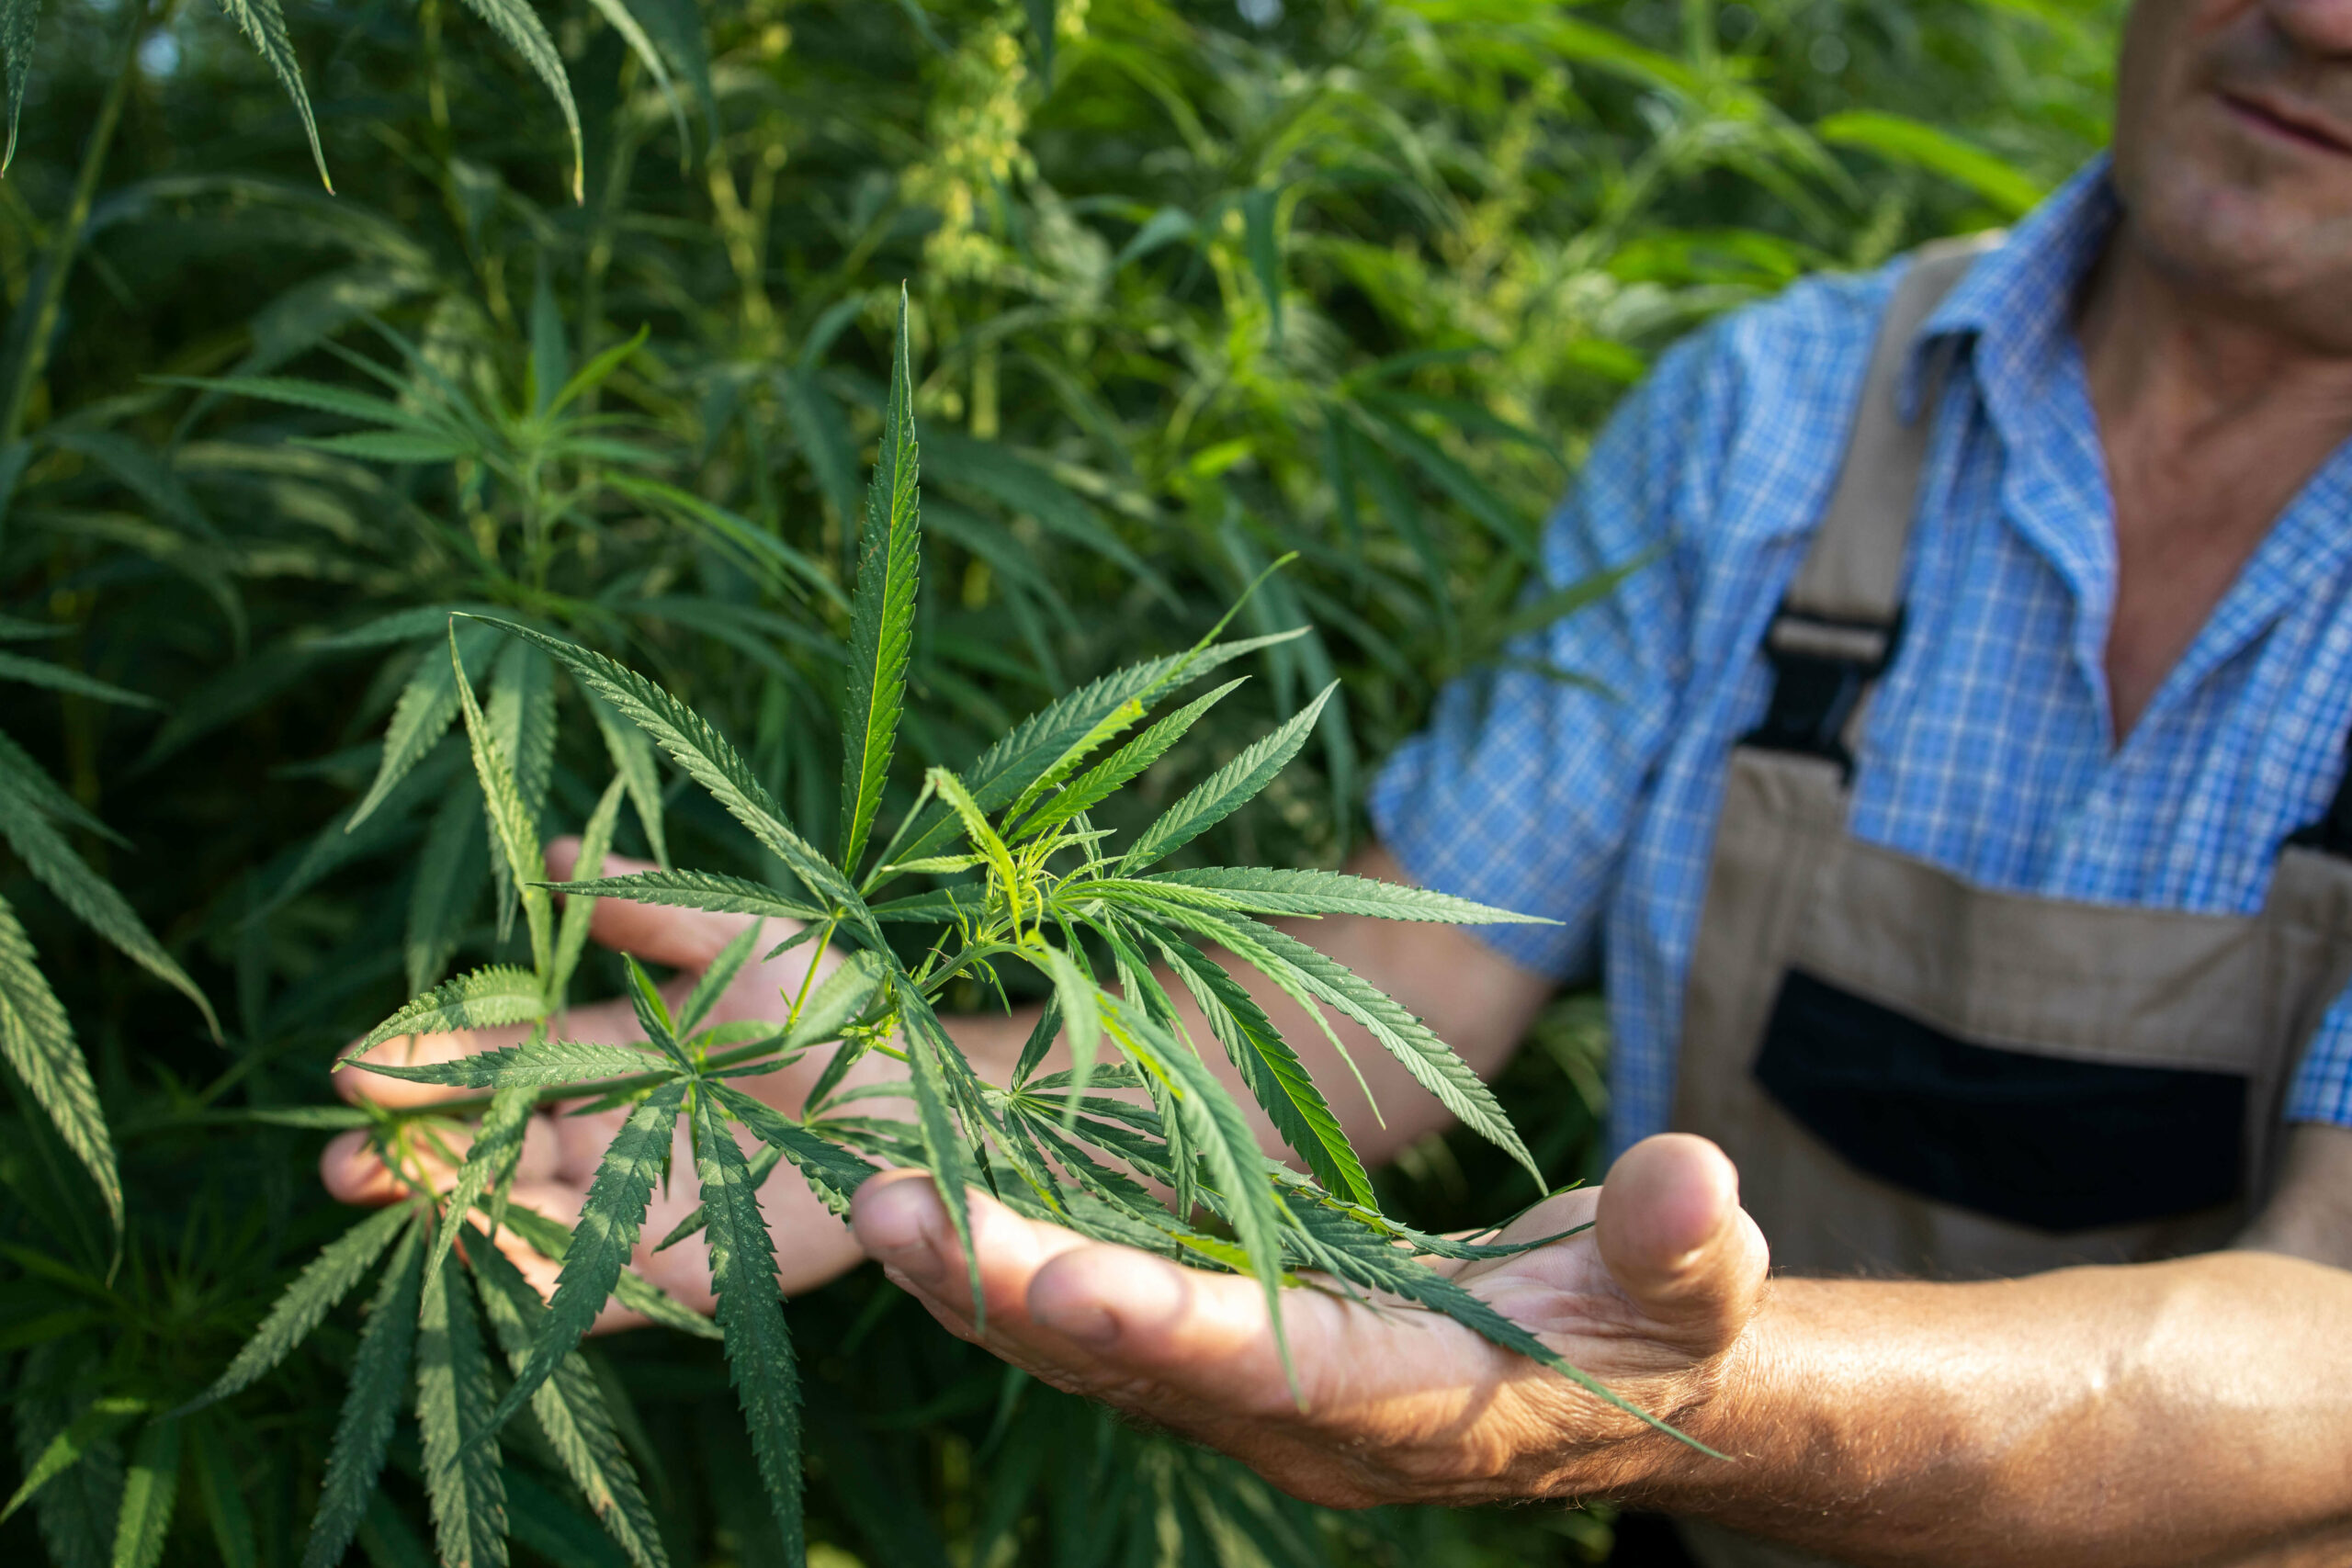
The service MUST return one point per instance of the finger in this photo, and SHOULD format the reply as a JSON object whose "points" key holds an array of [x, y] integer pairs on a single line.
{"points": [[1677, 1242], [355, 1173], [355, 1083], [1086, 1314], [684, 939]]}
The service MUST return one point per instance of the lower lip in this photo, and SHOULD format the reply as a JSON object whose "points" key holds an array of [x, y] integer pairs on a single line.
{"points": [[2278, 129]]}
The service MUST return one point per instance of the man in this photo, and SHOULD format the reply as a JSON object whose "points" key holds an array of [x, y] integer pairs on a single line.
{"points": [[1937, 845]]}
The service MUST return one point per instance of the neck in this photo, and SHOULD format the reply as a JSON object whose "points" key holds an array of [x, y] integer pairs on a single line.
{"points": [[2171, 364]]}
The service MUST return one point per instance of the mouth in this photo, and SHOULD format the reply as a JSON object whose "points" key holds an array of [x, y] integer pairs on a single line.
{"points": [[2287, 122]]}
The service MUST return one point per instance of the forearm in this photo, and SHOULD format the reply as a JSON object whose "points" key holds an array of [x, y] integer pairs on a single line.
{"points": [[2193, 1412]]}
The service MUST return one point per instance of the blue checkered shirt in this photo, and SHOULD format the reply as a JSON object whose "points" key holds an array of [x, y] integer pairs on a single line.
{"points": [[1989, 748]]}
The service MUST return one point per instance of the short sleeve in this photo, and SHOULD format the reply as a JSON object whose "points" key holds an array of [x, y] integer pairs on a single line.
{"points": [[2323, 1087], [1523, 789]]}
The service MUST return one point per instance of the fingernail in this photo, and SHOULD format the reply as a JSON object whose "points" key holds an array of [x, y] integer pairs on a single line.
{"points": [[1089, 1323]]}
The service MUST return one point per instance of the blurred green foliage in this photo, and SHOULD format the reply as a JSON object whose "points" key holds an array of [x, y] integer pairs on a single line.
{"points": [[1194, 286]]}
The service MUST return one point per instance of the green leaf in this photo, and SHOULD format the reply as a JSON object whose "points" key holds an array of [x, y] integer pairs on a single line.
{"points": [[515, 21], [632, 756], [1260, 214], [150, 1489], [533, 1064], [882, 616], [716, 978], [364, 1429], [602, 1242], [486, 999], [1000, 773], [101, 1420], [326, 1281], [838, 1000], [1080, 1005], [694, 890], [498, 1141], [93, 900], [462, 1473], [264, 25], [1112, 774], [572, 931], [570, 1408], [422, 716], [1901, 139], [763, 1166], [57, 678], [834, 1173], [929, 1053], [750, 1313], [521, 722], [1226, 1142], [1337, 893], [37, 1041], [1227, 790], [551, 1238], [217, 1484], [1278, 1080], [450, 871], [706, 756], [514, 826], [17, 20], [20, 774]]}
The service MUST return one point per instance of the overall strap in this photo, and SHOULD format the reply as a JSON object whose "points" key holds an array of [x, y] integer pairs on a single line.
{"points": [[1836, 629]]}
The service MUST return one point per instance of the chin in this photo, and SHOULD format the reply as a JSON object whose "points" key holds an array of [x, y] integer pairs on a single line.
{"points": [[2247, 240]]}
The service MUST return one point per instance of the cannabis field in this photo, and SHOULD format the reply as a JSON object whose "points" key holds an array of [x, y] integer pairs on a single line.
{"points": [[355, 541]]}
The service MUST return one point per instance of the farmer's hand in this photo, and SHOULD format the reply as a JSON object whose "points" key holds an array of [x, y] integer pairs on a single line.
{"points": [[560, 1152], [1399, 1407]]}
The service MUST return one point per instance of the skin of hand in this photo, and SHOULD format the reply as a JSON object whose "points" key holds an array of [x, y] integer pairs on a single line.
{"points": [[560, 1152]]}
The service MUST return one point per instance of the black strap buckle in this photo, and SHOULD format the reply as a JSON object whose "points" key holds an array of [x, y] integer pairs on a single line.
{"points": [[1822, 668]]}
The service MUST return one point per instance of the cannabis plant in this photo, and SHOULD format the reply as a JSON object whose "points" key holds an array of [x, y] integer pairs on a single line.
{"points": [[1028, 880]]}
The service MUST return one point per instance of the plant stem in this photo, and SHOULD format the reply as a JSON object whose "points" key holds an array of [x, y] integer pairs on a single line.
{"points": [[58, 263]]}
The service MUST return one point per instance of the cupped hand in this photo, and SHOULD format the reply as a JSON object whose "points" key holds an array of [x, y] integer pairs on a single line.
{"points": [[561, 1151], [1395, 1406]]}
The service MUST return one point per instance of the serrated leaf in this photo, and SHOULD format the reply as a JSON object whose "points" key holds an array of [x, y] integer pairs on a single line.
{"points": [[1081, 1007], [421, 716], [707, 758], [928, 1050], [715, 979], [450, 871], [759, 1347], [150, 1489], [763, 1164], [602, 1242], [1227, 790], [552, 1238], [515, 21], [882, 616], [1107, 777], [103, 1418], [498, 1141], [579, 911], [520, 719], [632, 756], [364, 1429], [1337, 893], [390, 446], [93, 900], [323, 1282], [1225, 1143], [485, 998], [834, 1173], [535, 1064], [25, 672], [694, 890], [1277, 1079], [463, 1477], [37, 1038], [514, 826], [1001, 773], [570, 1408], [217, 1486], [21, 774], [17, 21], [264, 25]]}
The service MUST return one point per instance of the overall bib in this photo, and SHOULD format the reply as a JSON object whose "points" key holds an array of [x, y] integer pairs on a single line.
{"points": [[1920, 1077]]}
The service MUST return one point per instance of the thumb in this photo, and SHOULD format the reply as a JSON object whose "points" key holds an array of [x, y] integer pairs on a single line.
{"points": [[1677, 1242]]}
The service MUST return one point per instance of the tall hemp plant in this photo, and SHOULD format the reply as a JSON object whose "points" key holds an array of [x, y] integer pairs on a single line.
{"points": [[1035, 884]]}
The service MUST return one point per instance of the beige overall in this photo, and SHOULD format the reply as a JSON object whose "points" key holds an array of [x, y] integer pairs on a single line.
{"points": [[1921, 1077]]}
